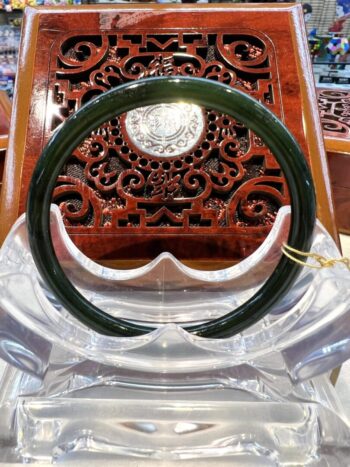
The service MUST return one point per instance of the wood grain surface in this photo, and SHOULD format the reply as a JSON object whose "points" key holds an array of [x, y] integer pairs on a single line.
{"points": [[70, 55]]}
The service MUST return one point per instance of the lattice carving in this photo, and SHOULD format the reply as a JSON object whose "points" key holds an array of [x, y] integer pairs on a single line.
{"points": [[334, 108], [228, 180]]}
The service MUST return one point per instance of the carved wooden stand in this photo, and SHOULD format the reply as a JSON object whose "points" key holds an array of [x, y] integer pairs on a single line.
{"points": [[119, 195], [335, 117]]}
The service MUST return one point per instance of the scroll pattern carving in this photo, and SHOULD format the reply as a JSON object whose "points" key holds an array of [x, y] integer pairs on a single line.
{"points": [[334, 108], [229, 180]]}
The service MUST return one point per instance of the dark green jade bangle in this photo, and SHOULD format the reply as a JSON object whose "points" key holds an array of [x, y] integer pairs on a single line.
{"points": [[151, 91]]}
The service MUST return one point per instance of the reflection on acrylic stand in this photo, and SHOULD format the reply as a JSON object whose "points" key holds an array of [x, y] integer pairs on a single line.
{"points": [[71, 393]]}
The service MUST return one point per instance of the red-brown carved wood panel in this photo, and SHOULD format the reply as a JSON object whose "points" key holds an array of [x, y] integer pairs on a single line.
{"points": [[227, 180], [123, 197], [334, 105]]}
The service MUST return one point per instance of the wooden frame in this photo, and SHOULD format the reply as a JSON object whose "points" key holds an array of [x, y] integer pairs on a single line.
{"points": [[280, 24]]}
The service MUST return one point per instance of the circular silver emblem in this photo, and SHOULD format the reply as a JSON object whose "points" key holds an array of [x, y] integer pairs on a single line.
{"points": [[165, 130]]}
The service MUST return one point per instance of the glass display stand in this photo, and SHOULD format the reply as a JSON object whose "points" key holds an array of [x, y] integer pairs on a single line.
{"points": [[259, 398]]}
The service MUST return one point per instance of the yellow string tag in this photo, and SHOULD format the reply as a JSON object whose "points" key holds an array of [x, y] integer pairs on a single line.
{"points": [[321, 260]]}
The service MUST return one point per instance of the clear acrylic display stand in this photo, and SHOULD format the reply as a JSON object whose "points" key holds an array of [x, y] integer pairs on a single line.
{"points": [[262, 397]]}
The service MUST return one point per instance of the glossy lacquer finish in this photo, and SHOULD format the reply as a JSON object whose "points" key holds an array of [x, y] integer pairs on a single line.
{"points": [[152, 91], [69, 56], [334, 107], [5, 116]]}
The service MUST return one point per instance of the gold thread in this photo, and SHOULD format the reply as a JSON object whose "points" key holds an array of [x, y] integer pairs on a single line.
{"points": [[322, 261]]}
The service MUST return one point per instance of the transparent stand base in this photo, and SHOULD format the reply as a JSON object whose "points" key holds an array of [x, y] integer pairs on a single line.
{"points": [[259, 398], [180, 430], [237, 418]]}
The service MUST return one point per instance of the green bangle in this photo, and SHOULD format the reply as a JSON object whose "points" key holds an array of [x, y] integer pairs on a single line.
{"points": [[209, 94]]}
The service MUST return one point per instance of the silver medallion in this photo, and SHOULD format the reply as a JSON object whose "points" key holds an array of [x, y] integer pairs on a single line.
{"points": [[165, 130]]}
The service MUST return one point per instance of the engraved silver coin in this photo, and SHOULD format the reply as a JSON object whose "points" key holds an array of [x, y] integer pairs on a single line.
{"points": [[165, 130]]}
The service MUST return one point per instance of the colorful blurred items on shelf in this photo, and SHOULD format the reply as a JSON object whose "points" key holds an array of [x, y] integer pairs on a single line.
{"points": [[168, 1], [343, 8], [313, 33], [9, 43], [18, 4], [342, 15], [10, 5], [61, 2], [7, 73], [315, 44], [6, 5], [315, 49], [9, 37], [307, 10], [338, 46], [7, 84]]}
